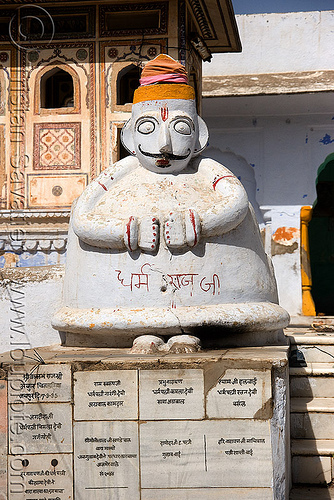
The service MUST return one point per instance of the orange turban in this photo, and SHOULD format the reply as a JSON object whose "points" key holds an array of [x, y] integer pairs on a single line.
{"points": [[163, 78]]}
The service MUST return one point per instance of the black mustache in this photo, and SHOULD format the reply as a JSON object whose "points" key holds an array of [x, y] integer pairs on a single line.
{"points": [[167, 156]]}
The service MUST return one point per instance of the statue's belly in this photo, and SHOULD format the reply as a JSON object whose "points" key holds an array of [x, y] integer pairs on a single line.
{"points": [[218, 270], [151, 196], [126, 294]]}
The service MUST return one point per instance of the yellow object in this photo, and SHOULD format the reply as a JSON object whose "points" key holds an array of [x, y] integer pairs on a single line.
{"points": [[308, 307], [163, 91]]}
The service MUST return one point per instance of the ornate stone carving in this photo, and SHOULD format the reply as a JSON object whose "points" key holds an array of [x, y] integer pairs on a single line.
{"points": [[57, 146]]}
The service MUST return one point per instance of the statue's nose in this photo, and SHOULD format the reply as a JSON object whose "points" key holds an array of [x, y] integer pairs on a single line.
{"points": [[165, 143]]}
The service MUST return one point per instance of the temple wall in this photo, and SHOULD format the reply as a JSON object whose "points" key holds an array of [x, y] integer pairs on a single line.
{"points": [[283, 146], [277, 43], [269, 108]]}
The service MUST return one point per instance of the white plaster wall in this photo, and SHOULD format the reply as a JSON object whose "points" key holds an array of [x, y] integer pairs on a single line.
{"points": [[275, 43], [27, 304], [284, 139]]}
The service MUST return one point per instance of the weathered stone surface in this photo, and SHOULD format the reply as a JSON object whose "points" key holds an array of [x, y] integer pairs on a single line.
{"points": [[240, 394], [209, 494], [48, 383], [171, 394], [206, 454], [43, 476], [198, 454], [312, 426], [309, 447], [313, 355], [267, 83], [106, 395], [319, 405], [28, 287], [41, 427], [106, 460], [312, 470], [248, 357], [316, 387]]}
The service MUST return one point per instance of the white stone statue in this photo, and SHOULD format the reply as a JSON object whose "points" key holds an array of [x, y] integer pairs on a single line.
{"points": [[164, 242]]}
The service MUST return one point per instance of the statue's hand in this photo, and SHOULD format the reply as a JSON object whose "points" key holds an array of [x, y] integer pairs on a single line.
{"points": [[193, 227], [131, 234], [174, 231], [149, 233], [182, 229]]}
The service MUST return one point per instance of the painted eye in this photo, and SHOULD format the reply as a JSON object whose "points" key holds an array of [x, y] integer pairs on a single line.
{"points": [[182, 127], [146, 127]]}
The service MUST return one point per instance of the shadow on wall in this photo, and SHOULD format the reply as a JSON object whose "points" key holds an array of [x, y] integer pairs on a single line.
{"points": [[241, 169]]}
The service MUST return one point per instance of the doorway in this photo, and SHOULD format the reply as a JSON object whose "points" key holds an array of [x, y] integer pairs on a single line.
{"points": [[321, 240]]}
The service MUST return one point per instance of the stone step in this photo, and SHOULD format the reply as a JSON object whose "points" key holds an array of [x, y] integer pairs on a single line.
{"points": [[311, 386], [312, 447], [311, 470], [316, 369], [315, 353], [310, 338], [306, 321], [312, 425], [310, 324], [320, 405], [311, 493], [311, 353]]}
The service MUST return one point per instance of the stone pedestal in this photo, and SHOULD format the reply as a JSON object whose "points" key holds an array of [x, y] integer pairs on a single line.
{"points": [[103, 423]]}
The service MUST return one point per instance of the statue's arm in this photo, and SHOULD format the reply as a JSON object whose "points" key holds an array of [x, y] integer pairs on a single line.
{"points": [[104, 232], [232, 201], [228, 211]]}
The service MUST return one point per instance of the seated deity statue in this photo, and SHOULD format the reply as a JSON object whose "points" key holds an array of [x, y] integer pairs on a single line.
{"points": [[164, 242]]}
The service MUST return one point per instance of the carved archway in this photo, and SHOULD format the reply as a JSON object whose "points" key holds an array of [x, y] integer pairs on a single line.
{"points": [[64, 75], [127, 82]]}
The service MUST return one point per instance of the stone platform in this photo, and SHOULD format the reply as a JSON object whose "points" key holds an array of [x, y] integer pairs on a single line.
{"points": [[89, 423]]}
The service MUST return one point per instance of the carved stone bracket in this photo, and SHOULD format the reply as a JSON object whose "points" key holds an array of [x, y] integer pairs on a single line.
{"points": [[13, 216], [33, 242]]}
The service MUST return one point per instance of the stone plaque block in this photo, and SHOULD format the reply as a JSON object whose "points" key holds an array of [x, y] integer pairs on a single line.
{"points": [[106, 395], [206, 454], [171, 394], [209, 494], [40, 427], [45, 477], [240, 394], [49, 383], [106, 460]]}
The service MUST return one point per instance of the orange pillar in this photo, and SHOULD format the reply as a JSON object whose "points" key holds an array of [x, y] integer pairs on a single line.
{"points": [[308, 307]]}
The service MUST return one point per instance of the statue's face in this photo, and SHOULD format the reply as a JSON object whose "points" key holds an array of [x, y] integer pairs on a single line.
{"points": [[165, 134]]}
